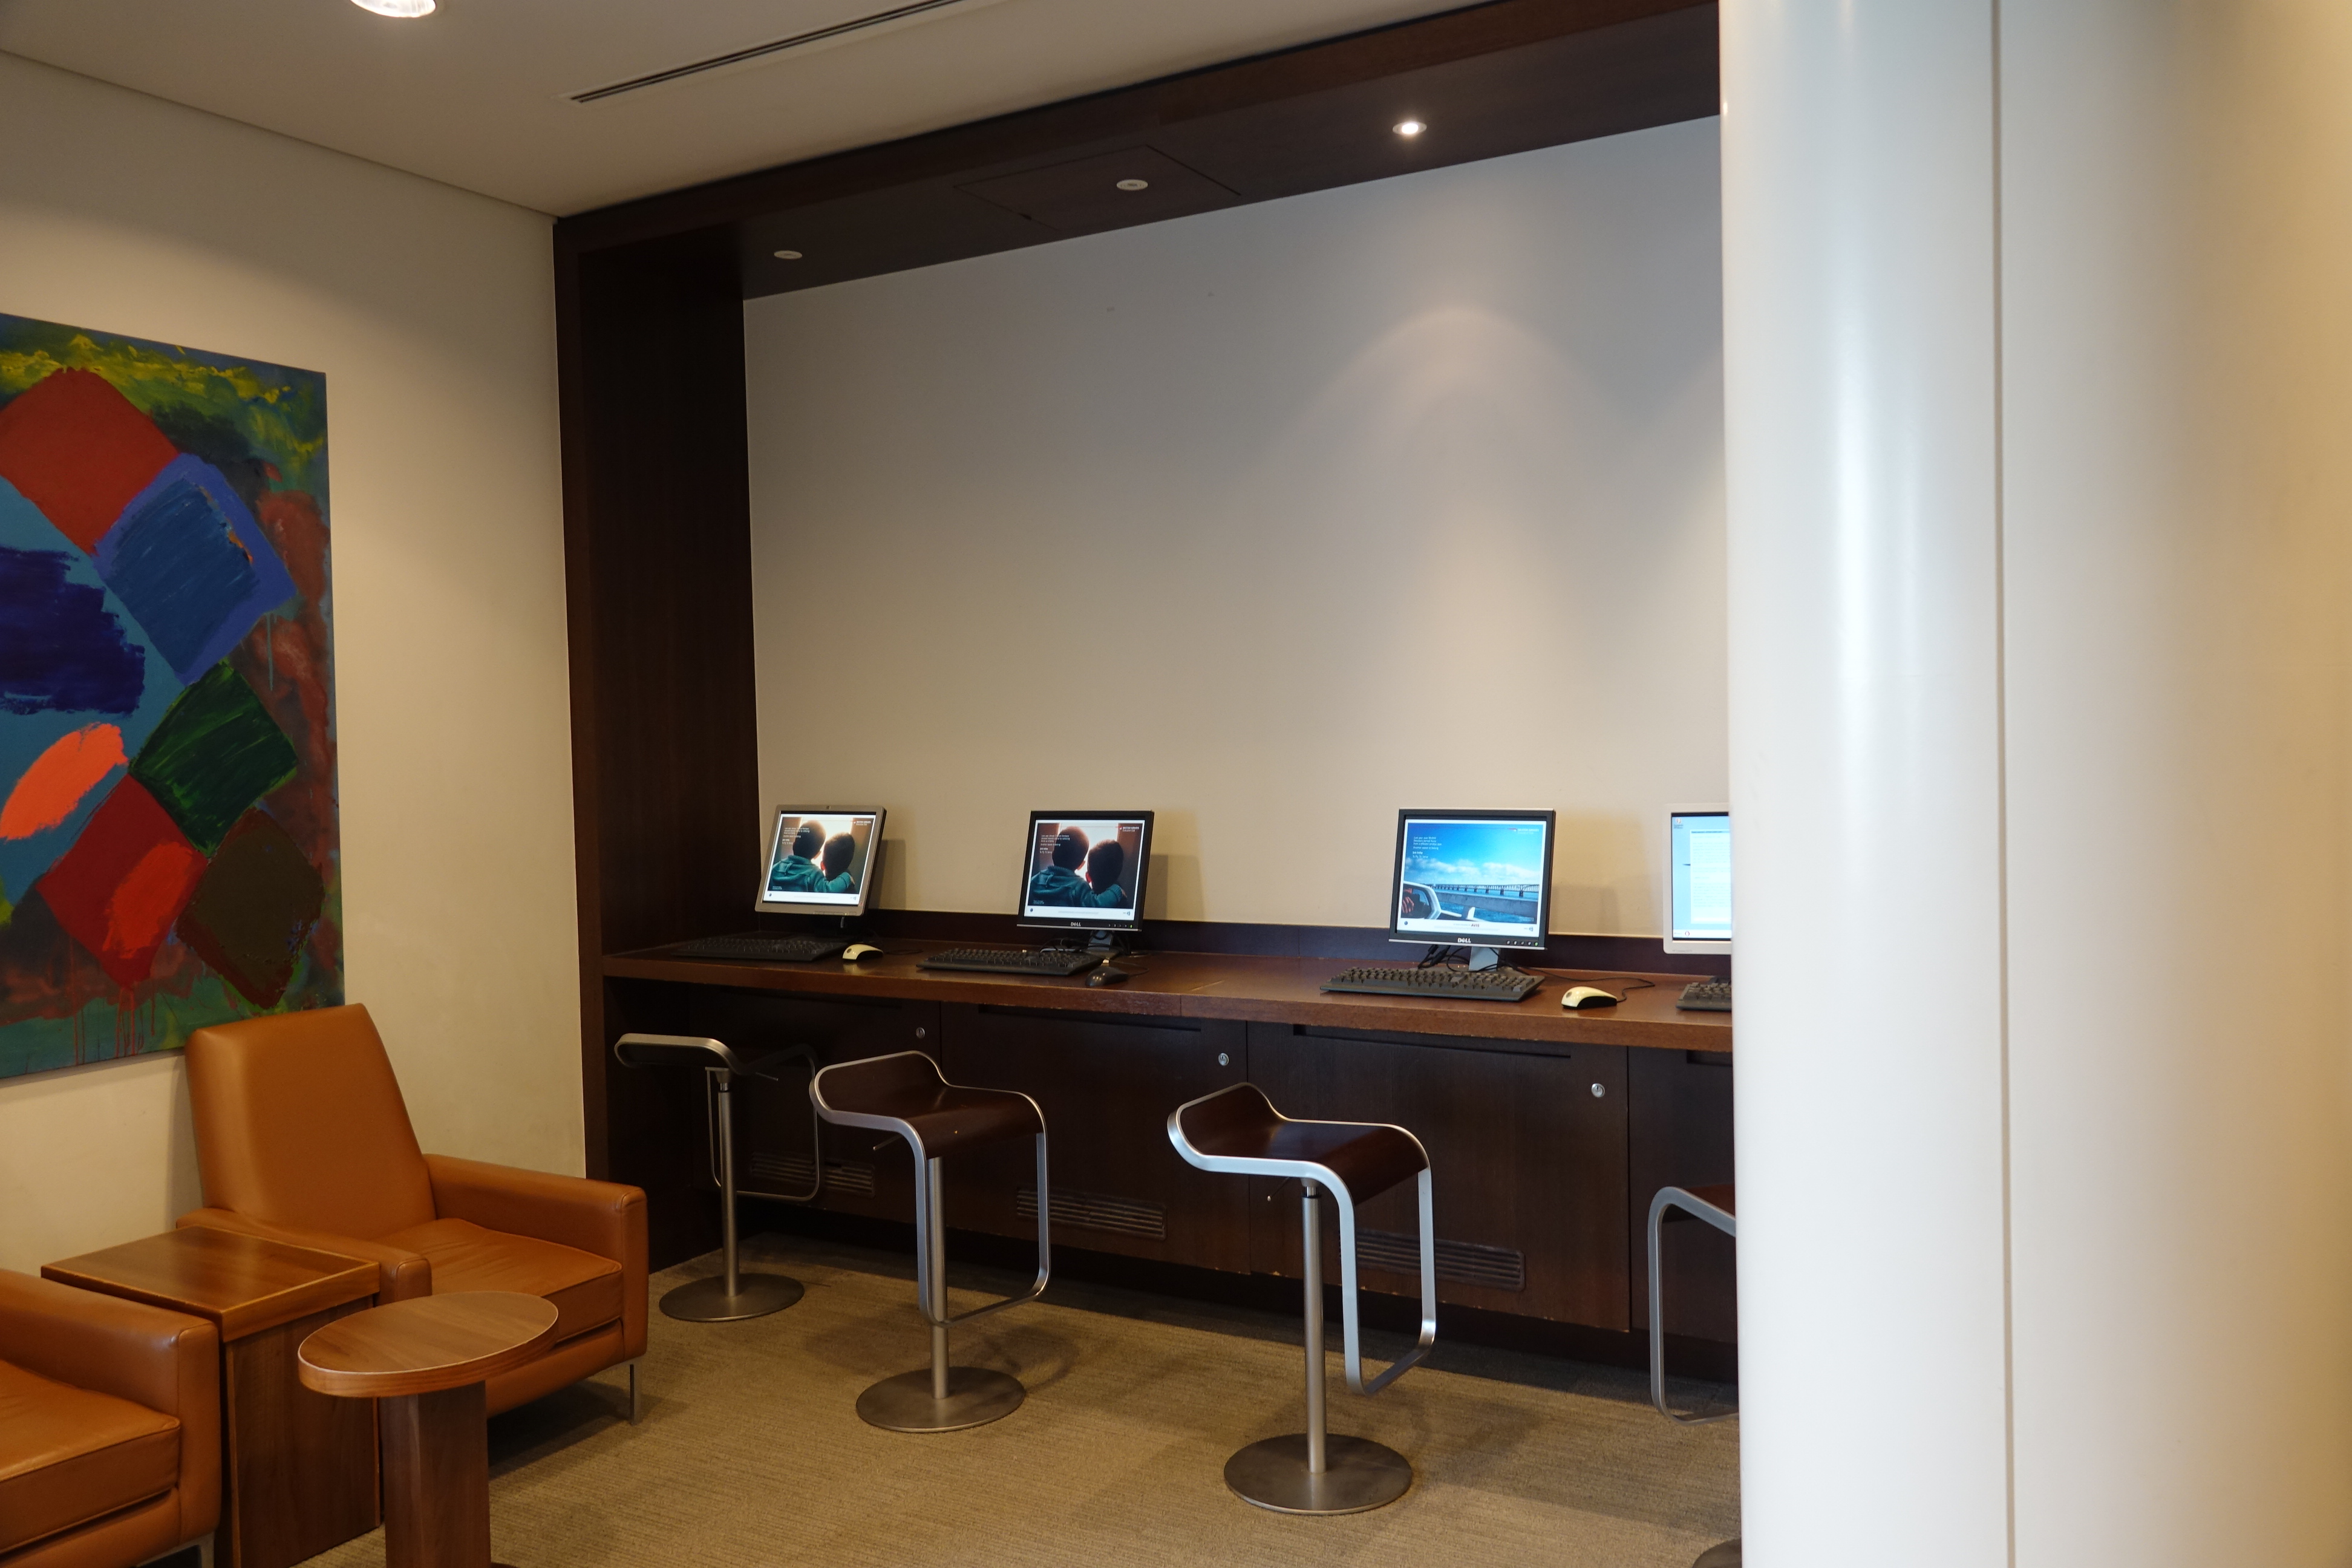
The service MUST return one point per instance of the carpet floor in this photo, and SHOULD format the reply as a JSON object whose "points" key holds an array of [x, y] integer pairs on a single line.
{"points": [[751, 1453]]}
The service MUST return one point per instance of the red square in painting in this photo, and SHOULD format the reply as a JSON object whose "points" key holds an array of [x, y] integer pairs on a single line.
{"points": [[75, 447], [123, 882]]}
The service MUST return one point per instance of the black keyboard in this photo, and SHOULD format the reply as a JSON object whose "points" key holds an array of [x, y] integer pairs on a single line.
{"points": [[763, 949], [1497, 984], [1706, 996], [1013, 960]]}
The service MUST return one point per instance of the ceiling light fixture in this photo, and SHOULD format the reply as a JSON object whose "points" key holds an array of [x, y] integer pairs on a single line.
{"points": [[397, 8], [1135, 184], [788, 256], [1410, 127]]}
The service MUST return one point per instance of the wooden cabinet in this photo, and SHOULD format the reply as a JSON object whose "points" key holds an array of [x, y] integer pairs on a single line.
{"points": [[1528, 1164], [1105, 1085], [1681, 1104]]}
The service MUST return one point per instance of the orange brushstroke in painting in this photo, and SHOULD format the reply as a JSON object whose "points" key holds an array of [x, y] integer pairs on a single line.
{"points": [[59, 778]]}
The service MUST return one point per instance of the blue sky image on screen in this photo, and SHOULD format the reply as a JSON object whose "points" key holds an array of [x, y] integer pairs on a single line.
{"points": [[1467, 880]]}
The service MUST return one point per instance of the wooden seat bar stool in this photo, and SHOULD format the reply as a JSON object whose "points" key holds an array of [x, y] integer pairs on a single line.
{"points": [[905, 1094], [1717, 1205], [1237, 1132], [731, 1295]]}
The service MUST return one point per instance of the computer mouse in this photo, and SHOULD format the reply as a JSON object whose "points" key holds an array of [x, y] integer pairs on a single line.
{"points": [[1107, 975], [1588, 996], [858, 950]]}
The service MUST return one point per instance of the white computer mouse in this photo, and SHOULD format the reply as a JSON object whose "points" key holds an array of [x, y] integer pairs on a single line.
{"points": [[1588, 996], [858, 950]]}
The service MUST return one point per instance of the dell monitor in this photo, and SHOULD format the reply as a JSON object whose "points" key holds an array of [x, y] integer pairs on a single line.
{"points": [[1474, 878], [820, 861], [1698, 872], [1084, 870]]}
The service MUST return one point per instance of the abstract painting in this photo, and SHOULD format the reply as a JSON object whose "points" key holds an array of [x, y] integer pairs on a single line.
{"points": [[169, 848]]}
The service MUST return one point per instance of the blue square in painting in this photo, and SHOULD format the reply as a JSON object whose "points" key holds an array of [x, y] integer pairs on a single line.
{"points": [[73, 656], [189, 561]]}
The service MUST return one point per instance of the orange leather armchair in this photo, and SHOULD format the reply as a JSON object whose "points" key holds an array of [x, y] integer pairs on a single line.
{"points": [[301, 1134], [109, 1427]]}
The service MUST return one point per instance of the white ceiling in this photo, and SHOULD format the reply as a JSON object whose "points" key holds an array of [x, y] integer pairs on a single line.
{"points": [[478, 94]]}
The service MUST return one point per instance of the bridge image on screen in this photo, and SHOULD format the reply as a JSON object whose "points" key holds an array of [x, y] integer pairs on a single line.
{"points": [[1466, 878]]}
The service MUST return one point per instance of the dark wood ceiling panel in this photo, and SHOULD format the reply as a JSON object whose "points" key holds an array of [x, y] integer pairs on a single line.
{"points": [[1109, 190], [1506, 76]]}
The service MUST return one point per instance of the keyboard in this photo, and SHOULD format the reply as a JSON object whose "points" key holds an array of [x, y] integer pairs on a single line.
{"points": [[1013, 960], [1705, 996], [1496, 984], [763, 949]]}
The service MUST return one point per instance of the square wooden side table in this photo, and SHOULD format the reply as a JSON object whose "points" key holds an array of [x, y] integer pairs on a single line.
{"points": [[297, 1468]]}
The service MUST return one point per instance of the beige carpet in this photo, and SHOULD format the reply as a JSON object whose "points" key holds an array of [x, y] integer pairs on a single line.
{"points": [[751, 1451]]}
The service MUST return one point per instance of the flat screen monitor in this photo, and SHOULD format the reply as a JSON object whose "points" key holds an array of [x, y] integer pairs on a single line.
{"points": [[1084, 870], [1475, 878], [821, 860], [1698, 866]]}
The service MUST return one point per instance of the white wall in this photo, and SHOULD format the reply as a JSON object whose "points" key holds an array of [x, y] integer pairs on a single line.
{"points": [[1275, 520], [2039, 363], [430, 312]]}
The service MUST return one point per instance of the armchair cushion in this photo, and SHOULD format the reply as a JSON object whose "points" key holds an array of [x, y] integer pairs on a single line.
{"points": [[606, 1218], [144, 1384], [69, 1456], [585, 1289]]}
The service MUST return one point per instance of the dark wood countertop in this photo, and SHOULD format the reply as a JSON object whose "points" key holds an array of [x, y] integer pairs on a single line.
{"points": [[1218, 985]]}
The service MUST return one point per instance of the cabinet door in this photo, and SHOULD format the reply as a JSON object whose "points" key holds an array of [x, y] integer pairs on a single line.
{"points": [[1527, 1161], [865, 1172], [1681, 1137], [1106, 1086]]}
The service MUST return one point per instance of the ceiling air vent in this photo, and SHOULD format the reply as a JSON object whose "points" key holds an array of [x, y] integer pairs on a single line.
{"points": [[814, 36]]}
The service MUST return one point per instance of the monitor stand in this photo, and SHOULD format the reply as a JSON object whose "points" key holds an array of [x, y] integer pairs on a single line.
{"points": [[1484, 958], [1108, 946]]}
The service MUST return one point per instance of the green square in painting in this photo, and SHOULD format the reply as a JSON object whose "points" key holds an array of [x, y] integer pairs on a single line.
{"points": [[214, 753]]}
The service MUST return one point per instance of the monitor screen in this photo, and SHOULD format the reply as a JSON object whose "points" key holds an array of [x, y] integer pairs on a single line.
{"points": [[1698, 861], [820, 861], [1084, 869], [1480, 879]]}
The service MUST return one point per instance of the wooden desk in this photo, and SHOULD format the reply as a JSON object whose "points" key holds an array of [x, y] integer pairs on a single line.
{"points": [[1547, 1130], [299, 1469]]}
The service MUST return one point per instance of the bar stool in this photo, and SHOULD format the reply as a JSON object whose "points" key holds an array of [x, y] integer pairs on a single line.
{"points": [[1717, 1206], [904, 1093], [1237, 1132], [734, 1295]]}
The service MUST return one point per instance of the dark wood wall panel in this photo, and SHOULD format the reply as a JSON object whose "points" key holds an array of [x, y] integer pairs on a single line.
{"points": [[658, 556]]}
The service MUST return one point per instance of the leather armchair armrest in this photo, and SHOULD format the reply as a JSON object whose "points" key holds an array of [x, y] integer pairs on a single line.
{"points": [[165, 1361], [606, 1218], [400, 1274]]}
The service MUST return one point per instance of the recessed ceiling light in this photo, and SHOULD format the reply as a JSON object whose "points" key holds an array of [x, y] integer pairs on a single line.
{"points": [[1410, 127], [397, 8], [1135, 184], [788, 256]]}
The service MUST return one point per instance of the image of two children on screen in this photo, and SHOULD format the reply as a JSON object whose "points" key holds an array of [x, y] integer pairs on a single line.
{"points": [[1078, 873], [817, 864]]}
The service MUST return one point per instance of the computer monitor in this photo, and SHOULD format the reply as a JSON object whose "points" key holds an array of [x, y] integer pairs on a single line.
{"points": [[1085, 871], [822, 860], [1698, 871], [1475, 878]]}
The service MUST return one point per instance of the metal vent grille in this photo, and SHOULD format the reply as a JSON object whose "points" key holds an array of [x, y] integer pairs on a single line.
{"points": [[760, 51], [1098, 1211], [1464, 1262], [790, 1173]]}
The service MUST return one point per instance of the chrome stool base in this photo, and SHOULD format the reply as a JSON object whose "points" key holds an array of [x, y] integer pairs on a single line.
{"points": [[707, 1301], [976, 1397], [1724, 1557], [1358, 1473]]}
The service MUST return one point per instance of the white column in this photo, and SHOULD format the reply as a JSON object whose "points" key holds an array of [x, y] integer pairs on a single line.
{"points": [[2177, 261], [1861, 404], [2038, 370]]}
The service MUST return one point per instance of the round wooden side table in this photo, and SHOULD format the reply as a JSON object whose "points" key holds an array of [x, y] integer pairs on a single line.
{"points": [[425, 1361]]}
